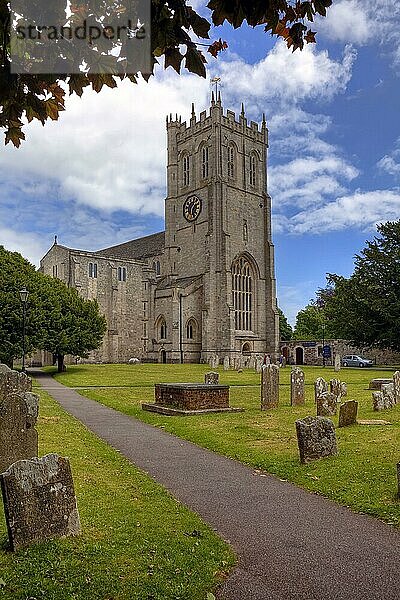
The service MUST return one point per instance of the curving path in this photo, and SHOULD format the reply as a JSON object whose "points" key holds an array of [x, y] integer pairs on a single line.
{"points": [[291, 544]]}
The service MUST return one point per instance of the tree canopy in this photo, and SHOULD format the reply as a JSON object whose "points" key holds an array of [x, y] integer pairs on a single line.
{"points": [[175, 33], [58, 319], [365, 308], [285, 329]]}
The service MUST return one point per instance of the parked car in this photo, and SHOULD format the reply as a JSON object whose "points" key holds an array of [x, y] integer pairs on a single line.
{"points": [[353, 360]]}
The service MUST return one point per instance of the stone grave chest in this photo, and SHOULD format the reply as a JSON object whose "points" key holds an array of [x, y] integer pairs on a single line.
{"points": [[190, 398]]}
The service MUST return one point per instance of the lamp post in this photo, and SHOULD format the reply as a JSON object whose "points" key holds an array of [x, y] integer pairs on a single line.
{"points": [[23, 294]]}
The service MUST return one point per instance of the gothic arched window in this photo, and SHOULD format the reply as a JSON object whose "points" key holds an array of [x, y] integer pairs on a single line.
{"points": [[186, 169], [162, 328], [191, 329], [252, 169], [204, 162], [231, 161], [242, 294]]}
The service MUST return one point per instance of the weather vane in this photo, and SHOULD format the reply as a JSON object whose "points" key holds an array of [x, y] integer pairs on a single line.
{"points": [[216, 81]]}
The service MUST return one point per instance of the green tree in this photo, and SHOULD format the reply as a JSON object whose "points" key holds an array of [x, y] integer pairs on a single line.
{"points": [[74, 325], [365, 308], [285, 329], [175, 26], [58, 319], [309, 322]]}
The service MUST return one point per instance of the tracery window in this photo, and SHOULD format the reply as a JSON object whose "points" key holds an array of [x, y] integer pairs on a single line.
{"points": [[191, 329], [186, 169], [252, 170], [231, 162], [204, 162], [163, 329], [242, 292]]}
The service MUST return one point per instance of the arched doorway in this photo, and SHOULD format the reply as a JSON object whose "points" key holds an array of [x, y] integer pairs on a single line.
{"points": [[285, 352], [163, 356], [246, 348], [299, 355]]}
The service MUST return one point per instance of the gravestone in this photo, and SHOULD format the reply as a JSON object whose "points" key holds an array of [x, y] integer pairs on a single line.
{"points": [[337, 363], [316, 438], [326, 404], [259, 364], [212, 377], [297, 394], [396, 386], [338, 388], [252, 362], [39, 500], [18, 436], [240, 362], [12, 382], [269, 387], [385, 398], [348, 413], [226, 363], [320, 387]]}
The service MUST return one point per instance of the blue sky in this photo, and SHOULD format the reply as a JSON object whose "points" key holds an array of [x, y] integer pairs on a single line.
{"points": [[97, 176]]}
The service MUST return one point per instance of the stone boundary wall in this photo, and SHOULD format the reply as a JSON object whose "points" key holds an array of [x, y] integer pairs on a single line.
{"points": [[311, 352]]}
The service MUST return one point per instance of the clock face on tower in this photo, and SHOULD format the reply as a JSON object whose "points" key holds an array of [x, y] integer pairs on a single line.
{"points": [[191, 208]]}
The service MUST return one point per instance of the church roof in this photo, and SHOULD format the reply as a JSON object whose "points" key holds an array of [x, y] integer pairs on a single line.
{"points": [[183, 282], [150, 245]]}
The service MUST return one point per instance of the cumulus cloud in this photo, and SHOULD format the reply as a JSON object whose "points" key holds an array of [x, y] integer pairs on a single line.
{"points": [[30, 245], [361, 210], [346, 21]]}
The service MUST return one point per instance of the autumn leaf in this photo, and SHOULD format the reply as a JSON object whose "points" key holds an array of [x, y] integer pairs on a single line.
{"points": [[310, 37], [217, 47]]}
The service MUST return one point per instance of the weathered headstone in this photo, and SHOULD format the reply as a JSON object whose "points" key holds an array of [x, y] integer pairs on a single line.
{"points": [[226, 363], [316, 438], [39, 500], [269, 387], [326, 404], [12, 382], [240, 362], [252, 362], [338, 388], [337, 363], [320, 387], [297, 393], [212, 377], [18, 436], [259, 364], [396, 386], [348, 413], [385, 398]]}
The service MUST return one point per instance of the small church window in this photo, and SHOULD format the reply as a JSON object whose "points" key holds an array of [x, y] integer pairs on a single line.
{"points": [[93, 270], [121, 273], [163, 329], [190, 329], [245, 231], [242, 294], [55, 271], [231, 162], [204, 162], [186, 169], [252, 171]]}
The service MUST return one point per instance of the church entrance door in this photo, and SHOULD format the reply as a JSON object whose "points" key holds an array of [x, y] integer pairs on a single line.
{"points": [[163, 356]]}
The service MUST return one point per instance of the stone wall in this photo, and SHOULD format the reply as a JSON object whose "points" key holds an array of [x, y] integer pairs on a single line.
{"points": [[311, 351]]}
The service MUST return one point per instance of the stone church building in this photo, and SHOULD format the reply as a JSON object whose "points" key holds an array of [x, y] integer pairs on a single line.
{"points": [[205, 285]]}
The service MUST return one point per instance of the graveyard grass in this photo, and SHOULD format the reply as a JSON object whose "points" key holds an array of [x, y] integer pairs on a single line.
{"points": [[363, 474], [137, 541]]}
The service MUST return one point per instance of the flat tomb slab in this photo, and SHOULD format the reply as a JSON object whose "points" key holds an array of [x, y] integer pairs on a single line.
{"points": [[373, 422], [376, 384], [165, 410], [189, 397]]}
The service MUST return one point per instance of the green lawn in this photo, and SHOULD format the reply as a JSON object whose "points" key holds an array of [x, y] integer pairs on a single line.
{"points": [[362, 475], [137, 541]]}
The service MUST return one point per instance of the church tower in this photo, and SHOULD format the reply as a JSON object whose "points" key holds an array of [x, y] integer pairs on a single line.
{"points": [[218, 226]]}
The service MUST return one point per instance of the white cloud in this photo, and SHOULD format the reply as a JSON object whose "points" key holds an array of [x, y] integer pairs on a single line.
{"points": [[346, 21], [361, 210], [31, 246], [390, 163], [291, 76]]}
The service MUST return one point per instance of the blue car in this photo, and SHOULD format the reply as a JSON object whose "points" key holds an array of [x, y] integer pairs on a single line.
{"points": [[353, 360]]}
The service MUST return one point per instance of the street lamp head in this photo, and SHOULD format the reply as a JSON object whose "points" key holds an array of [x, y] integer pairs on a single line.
{"points": [[23, 294]]}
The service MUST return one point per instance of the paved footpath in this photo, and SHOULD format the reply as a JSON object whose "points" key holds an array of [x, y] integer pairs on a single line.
{"points": [[291, 544]]}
